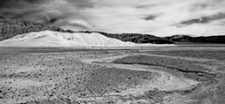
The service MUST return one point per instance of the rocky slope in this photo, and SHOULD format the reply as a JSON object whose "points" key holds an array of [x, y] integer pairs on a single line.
{"points": [[11, 28]]}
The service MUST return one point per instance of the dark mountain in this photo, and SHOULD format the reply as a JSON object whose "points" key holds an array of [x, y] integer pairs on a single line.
{"points": [[11, 28], [134, 37], [179, 38], [208, 39]]}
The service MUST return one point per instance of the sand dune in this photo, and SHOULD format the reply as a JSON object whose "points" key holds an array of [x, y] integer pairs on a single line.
{"points": [[58, 39]]}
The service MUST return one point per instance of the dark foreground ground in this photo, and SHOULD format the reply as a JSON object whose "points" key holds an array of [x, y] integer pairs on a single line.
{"points": [[150, 75]]}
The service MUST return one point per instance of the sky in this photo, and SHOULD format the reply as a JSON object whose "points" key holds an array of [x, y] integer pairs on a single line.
{"points": [[156, 17]]}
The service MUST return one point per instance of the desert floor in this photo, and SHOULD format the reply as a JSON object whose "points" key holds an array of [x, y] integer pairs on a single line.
{"points": [[147, 75]]}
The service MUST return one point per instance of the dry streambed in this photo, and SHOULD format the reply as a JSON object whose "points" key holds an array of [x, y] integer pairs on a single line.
{"points": [[190, 69], [204, 72], [162, 84], [211, 90]]}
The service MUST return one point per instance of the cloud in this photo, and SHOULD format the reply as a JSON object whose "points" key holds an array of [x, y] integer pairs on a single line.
{"points": [[158, 17], [205, 19], [19, 3], [150, 17], [52, 12]]}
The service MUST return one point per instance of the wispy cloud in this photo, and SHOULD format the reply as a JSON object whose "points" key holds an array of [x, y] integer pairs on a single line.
{"points": [[150, 17], [205, 19], [159, 17]]}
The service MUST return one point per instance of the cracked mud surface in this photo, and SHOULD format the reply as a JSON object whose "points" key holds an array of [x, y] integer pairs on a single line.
{"points": [[83, 76]]}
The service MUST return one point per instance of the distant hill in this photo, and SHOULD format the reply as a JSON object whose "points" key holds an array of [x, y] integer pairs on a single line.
{"points": [[208, 39], [134, 37], [11, 28], [179, 38]]}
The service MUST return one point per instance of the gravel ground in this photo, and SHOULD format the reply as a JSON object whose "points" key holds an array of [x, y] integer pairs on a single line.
{"points": [[100, 76]]}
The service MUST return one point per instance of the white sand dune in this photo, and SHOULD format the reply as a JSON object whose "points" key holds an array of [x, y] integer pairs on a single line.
{"points": [[59, 39]]}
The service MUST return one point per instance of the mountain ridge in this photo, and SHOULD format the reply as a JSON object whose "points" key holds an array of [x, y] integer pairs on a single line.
{"points": [[10, 28], [219, 39]]}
